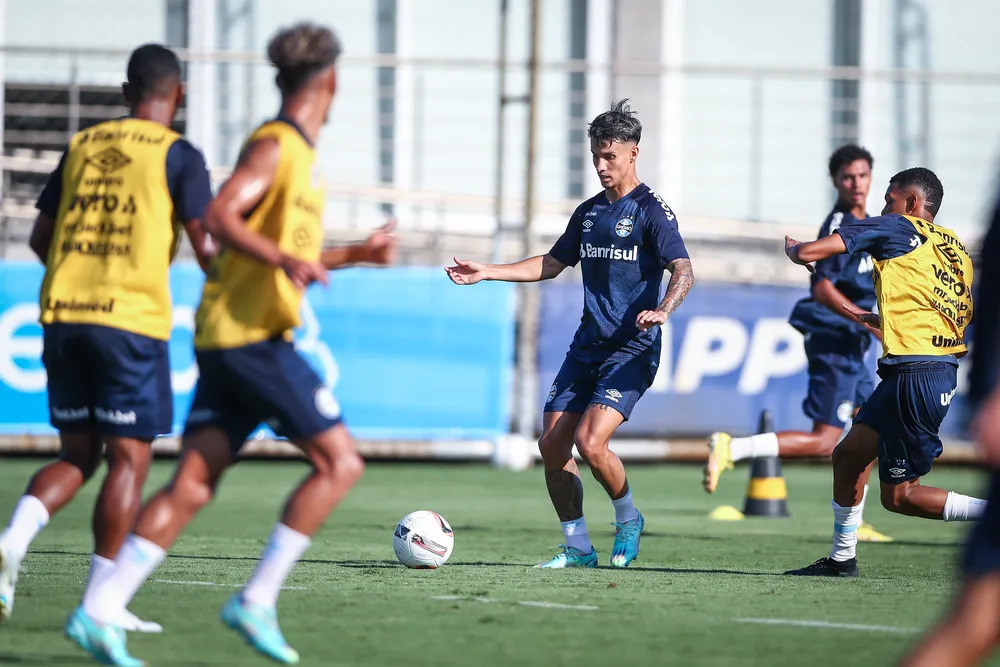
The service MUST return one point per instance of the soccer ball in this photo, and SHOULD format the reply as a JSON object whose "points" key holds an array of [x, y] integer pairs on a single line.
{"points": [[423, 540]]}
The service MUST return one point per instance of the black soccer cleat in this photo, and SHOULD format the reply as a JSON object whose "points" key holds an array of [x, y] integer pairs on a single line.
{"points": [[827, 567]]}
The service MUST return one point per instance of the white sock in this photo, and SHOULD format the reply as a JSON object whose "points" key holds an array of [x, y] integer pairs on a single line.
{"points": [[100, 569], [576, 535], [135, 562], [283, 550], [845, 532], [753, 447], [624, 508], [29, 517], [962, 508]]}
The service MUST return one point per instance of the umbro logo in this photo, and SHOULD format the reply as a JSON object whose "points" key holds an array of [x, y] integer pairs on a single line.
{"points": [[613, 394], [915, 241], [897, 472], [587, 224], [109, 160]]}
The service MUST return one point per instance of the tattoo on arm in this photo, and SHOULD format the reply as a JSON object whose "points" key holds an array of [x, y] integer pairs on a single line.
{"points": [[566, 492], [681, 280]]}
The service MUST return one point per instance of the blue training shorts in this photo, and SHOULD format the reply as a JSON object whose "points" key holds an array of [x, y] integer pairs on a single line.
{"points": [[906, 409], [618, 381], [115, 381], [839, 377], [268, 382], [982, 550]]}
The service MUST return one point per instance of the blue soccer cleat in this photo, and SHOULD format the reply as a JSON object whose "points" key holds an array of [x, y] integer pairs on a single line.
{"points": [[626, 547], [571, 557], [105, 642], [259, 628]]}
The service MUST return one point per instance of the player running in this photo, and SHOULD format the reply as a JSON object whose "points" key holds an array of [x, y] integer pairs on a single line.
{"points": [[106, 233], [923, 276], [836, 343], [268, 218], [972, 629], [623, 239]]}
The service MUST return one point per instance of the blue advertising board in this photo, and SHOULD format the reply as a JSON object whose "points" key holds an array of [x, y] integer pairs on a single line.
{"points": [[407, 353], [728, 354]]}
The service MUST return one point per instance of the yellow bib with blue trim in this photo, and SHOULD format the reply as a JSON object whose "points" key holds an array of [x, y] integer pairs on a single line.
{"points": [[115, 232], [925, 295], [245, 301]]}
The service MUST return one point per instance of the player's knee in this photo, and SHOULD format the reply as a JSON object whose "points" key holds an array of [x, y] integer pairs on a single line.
{"points": [[341, 464], [349, 467], [590, 446], [827, 445], [554, 448], [86, 462], [844, 460], [896, 498], [191, 492]]}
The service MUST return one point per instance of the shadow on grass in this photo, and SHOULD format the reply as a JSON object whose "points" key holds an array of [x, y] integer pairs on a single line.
{"points": [[41, 659], [895, 543]]}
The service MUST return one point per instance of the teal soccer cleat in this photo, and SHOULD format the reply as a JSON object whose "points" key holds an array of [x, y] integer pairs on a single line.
{"points": [[626, 547], [571, 557], [259, 628], [105, 642]]}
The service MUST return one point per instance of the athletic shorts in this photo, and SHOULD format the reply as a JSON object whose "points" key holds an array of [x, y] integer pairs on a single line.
{"points": [[617, 381], [982, 550], [839, 377], [115, 381], [907, 409], [269, 382]]}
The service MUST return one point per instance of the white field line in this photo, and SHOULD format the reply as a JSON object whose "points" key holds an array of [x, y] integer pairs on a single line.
{"points": [[523, 603], [212, 584], [828, 625]]}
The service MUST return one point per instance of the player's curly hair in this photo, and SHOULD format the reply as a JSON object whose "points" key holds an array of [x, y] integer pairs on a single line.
{"points": [[299, 52], [618, 124], [845, 155], [924, 180]]}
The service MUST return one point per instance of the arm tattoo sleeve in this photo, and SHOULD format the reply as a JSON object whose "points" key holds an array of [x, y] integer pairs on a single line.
{"points": [[681, 280]]}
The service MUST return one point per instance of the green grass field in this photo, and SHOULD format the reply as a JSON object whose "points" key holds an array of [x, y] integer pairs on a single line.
{"points": [[350, 603]]}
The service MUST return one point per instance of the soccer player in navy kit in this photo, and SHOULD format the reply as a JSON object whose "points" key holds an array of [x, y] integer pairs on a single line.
{"points": [[623, 239], [836, 343], [972, 629]]}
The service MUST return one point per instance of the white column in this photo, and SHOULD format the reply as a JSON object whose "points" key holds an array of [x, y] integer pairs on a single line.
{"points": [[873, 95], [671, 110], [600, 23], [3, 80], [404, 155], [201, 80]]}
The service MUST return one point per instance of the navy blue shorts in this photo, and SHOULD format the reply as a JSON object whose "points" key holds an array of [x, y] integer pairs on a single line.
{"points": [[907, 409], [269, 382], [839, 377], [617, 381], [115, 381], [982, 550]]}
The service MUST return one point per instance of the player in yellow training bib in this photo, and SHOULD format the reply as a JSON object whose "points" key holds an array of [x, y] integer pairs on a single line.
{"points": [[268, 217], [107, 229], [923, 281]]}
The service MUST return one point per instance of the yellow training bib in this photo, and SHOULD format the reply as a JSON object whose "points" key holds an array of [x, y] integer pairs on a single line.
{"points": [[925, 295], [115, 232], [245, 301]]}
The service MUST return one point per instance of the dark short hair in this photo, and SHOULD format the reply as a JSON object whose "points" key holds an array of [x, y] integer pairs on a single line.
{"points": [[845, 155], [153, 69], [301, 51], [618, 124], [924, 180]]}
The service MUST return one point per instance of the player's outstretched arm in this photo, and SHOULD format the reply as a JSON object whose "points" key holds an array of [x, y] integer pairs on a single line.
{"points": [[813, 251], [246, 187], [681, 281], [533, 269], [380, 248]]}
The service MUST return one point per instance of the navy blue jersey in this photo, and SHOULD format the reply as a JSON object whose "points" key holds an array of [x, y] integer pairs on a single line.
{"points": [[187, 180], [986, 354], [622, 249], [851, 274]]}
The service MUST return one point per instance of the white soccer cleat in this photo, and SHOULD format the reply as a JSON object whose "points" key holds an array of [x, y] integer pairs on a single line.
{"points": [[9, 565], [129, 622]]}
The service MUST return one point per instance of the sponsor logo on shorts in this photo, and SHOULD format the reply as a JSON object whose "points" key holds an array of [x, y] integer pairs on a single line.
{"points": [[115, 416], [70, 414], [897, 472], [947, 396], [844, 411], [552, 394], [624, 226], [613, 394], [326, 404]]}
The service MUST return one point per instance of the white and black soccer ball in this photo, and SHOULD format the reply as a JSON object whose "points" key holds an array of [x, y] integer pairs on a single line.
{"points": [[423, 540]]}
